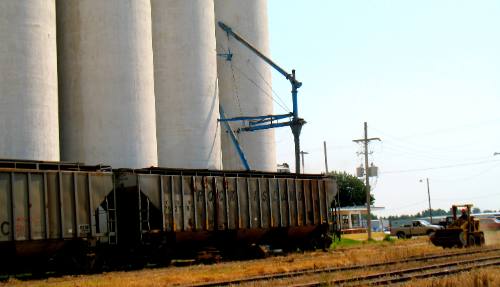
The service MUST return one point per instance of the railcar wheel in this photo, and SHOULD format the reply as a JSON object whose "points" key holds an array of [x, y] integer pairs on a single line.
{"points": [[326, 241]]}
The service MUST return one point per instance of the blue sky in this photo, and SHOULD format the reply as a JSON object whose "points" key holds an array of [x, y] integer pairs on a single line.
{"points": [[424, 74]]}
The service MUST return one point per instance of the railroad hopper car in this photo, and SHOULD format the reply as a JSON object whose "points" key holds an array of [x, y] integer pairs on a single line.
{"points": [[54, 210], [80, 217], [181, 212]]}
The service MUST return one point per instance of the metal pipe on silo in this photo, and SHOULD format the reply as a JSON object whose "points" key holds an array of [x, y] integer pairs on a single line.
{"points": [[29, 125], [187, 103], [244, 81], [106, 82]]}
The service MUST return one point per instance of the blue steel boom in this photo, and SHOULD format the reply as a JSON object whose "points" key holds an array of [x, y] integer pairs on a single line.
{"points": [[256, 123]]}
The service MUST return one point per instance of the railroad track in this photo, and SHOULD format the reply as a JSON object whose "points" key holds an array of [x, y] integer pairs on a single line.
{"points": [[402, 275], [317, 271]]}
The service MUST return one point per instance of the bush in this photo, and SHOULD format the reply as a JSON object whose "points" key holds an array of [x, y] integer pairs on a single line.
{"points": [[388, 238]]}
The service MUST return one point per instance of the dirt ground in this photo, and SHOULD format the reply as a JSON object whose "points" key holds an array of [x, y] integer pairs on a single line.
{"points": [[492, 237]]}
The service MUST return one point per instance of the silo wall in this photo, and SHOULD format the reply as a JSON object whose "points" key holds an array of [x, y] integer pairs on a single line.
{"points": [[245, 81], [187, 103], [29, 125], [106, 82]]}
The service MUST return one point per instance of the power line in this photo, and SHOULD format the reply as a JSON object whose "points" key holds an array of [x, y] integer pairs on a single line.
{"points": [[406, 206], [491, 195], [330, 147], [443, 130], [438, 152], [482, 172], [401, 151], [440, 167], [387, 148], [401, 141]]}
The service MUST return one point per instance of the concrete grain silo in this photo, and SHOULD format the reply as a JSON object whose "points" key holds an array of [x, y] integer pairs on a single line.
{"points": [[29, 127], [187, 104], [244, 82], [106, 82]]}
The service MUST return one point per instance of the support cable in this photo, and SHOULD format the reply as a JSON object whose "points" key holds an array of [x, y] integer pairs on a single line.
{"points": [[260, 88], [249, 63]]}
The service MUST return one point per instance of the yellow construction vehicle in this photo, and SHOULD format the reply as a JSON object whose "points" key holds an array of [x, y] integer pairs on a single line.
{"points": [[463, 231]]}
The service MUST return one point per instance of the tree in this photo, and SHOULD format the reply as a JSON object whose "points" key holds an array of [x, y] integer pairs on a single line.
{"points": [[476, 210], [435, 212], [352, 189], [424, 213]]}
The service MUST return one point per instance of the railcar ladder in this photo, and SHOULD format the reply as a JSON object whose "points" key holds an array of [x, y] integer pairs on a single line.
{"points": [[144, 222], [111, 219]]}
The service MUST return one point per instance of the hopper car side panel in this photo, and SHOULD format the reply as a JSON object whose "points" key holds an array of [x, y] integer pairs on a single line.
{"points": [[194, 203], [41, 211], [203, 209]]}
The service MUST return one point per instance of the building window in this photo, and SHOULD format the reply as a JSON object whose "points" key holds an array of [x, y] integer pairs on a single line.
{"points": [[355, 220], [345, 221]]}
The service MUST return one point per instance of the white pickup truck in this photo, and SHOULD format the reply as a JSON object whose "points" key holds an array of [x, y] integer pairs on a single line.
{"points": [[414, 228]]}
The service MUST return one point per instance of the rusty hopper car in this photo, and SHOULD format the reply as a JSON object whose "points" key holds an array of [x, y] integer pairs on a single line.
{"points": [[77, 217], [50, 210], [176, 212]]}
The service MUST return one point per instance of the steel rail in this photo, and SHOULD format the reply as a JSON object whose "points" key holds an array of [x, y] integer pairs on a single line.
{"points": [[313, 271], [402, 275]]}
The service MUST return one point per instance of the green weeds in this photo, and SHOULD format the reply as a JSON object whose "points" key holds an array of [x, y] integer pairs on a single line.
{"points": [[347, 242]]}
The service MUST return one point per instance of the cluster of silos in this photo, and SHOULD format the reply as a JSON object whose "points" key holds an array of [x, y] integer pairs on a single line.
{"points": [[132, 83]]}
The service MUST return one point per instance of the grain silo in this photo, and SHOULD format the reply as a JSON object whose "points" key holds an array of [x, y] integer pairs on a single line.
{"points": [[106, 82], [187, 104], [244, 81], [29, 126]]}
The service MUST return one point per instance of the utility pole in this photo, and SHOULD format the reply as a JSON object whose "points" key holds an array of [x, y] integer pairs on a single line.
{"points": [[365, 142], [302, 153], [326, 158], [429, 197]]}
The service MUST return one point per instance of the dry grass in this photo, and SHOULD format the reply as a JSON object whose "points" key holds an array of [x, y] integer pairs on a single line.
{"points": [[363, 236], [482, 277], [365, 253], [477, 278]]}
